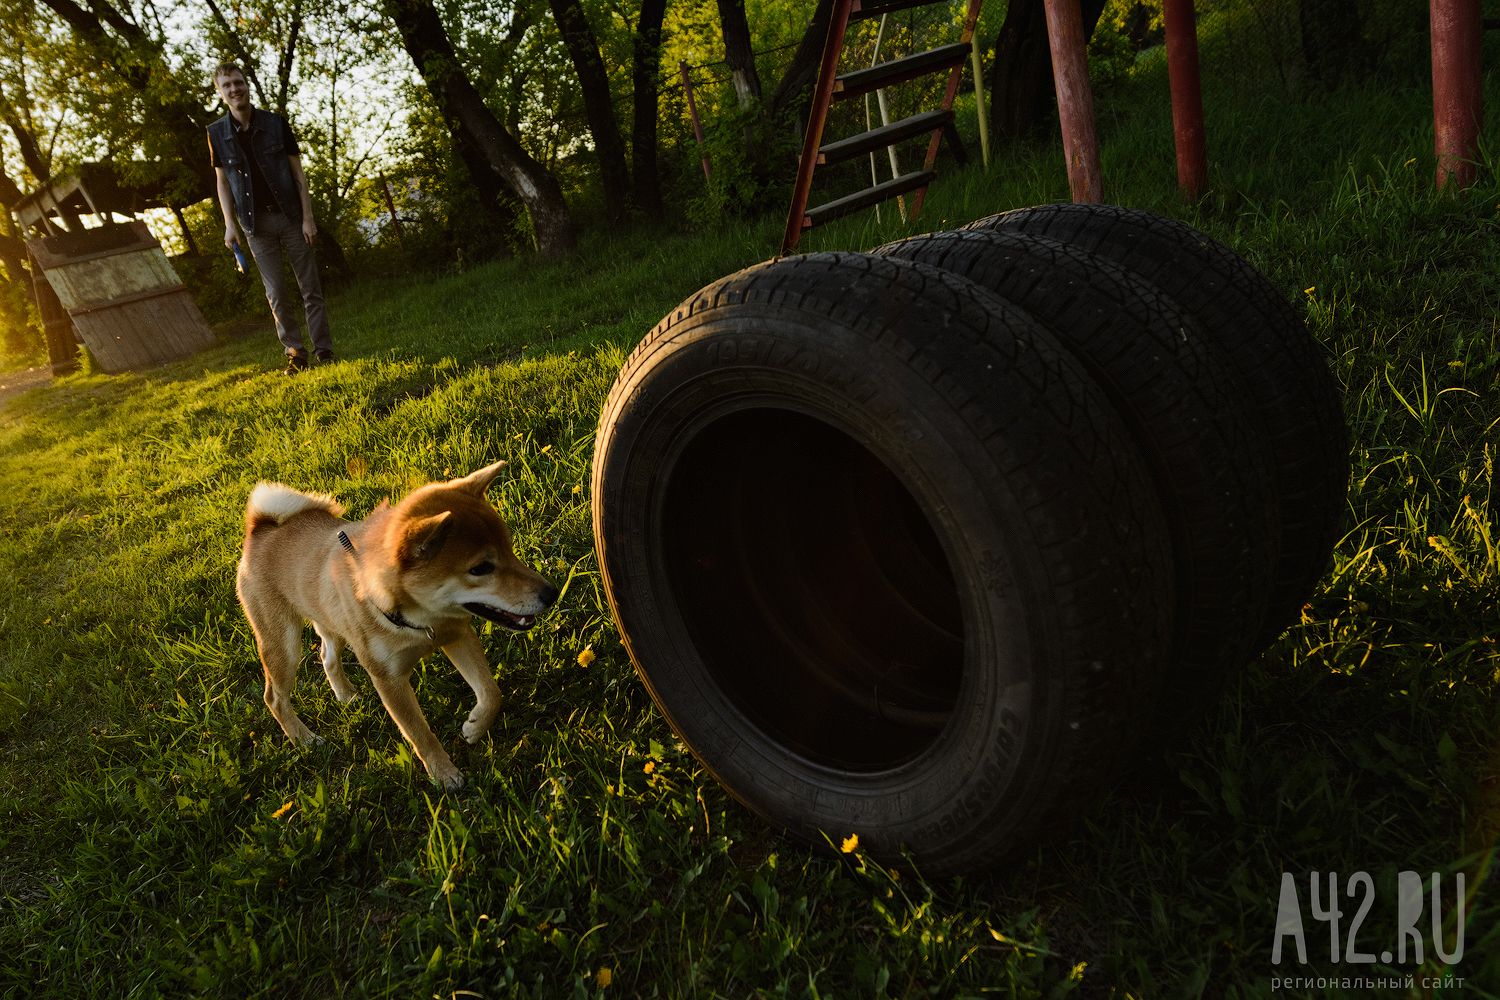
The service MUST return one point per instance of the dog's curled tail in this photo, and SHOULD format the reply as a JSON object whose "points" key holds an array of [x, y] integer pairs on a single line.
{"points": [[272, 503]]}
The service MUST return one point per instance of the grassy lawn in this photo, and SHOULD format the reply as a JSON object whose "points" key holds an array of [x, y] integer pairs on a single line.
{"points": [[159, 837]]}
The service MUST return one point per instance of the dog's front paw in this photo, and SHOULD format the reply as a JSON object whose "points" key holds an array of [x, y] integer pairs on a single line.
{"points": [[303, 737], [450, 777], [479, 722]]}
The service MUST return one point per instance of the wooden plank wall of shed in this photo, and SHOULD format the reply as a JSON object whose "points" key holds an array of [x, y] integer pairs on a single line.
{"points": [[144, 333], [127, 303], [92, 283]]}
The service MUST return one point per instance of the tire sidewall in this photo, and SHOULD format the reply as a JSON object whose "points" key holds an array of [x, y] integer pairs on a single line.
{"points": [[982, 770]]}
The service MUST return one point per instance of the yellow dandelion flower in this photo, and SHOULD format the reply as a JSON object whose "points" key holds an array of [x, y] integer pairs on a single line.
{"points": [[586, 657], [283, 810], [603, 977], [650, 766], [850, 844]]}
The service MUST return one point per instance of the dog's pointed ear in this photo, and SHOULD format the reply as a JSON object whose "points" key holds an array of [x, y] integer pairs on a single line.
{"points": [[424, 537], [477, 482]]}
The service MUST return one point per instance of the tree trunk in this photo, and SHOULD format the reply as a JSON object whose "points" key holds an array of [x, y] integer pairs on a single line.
{"points": [[496, 200], [13, 259], [794, 92], [464, 111], [1022, 97], [288, 54], [609, 147], [737, 51], [647, 45], [15, 276]]}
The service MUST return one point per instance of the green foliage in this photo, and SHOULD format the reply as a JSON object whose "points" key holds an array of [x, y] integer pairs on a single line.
{"points": [[158, 836], [748, 155], [22, 337], [1124, 29]]}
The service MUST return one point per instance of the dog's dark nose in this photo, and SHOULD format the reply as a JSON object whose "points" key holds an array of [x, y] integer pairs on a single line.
{"points": [[547, 595]]}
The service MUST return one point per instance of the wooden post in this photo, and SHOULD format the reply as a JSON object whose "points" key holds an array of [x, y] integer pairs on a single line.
{"points": [[891, 155], [390, 203], [187, 234], [83, 190], [979, 104], [1075, 99], [57, 325], [1187, 97], [1457, 93], [687, 88]]}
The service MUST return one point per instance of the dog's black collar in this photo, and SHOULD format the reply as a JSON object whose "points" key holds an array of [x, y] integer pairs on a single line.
{"points": [[396, 618]]}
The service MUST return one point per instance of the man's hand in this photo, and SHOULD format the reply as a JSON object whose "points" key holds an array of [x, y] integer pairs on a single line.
{"points": [[309, 230], [231, 238]]}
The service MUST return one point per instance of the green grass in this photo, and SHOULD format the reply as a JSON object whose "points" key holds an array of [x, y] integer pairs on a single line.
{"points": [[159, 837]]}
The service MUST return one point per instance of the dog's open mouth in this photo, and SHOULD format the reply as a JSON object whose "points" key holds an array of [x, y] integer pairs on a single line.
{"points": [[500, 616]]}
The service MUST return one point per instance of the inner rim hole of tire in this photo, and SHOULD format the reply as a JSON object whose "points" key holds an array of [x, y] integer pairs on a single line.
{"points": [[814, 587]]}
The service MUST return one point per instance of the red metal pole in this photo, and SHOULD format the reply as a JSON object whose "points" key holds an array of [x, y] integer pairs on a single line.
{"points": [[1187, 97], [1457, 96], [1075, 99], [955, 75], [817, 117], [687, 88]]}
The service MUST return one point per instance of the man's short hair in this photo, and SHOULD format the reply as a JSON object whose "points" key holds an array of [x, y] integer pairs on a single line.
{"points": [[224, 69]]}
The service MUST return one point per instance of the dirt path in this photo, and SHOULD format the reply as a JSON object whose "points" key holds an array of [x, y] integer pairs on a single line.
{"points": [[14, 383]]}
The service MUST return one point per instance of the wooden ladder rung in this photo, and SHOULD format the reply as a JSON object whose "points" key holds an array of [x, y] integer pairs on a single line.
{"points": [[869, 196], [885, 135], [910, 67], [864, 9]]}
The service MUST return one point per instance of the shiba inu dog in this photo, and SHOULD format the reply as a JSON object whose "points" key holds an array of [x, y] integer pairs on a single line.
{"points": [[393, 587]]}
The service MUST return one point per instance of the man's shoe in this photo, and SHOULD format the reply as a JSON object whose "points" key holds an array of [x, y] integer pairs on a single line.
{"points": [[295, 363], [324, 357]]}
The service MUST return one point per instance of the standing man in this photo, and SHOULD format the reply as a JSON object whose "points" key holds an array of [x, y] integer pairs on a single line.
{"points": [[259, 168]]}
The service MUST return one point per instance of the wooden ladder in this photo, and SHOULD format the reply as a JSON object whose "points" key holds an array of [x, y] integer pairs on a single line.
{"points": [[832, 86]]}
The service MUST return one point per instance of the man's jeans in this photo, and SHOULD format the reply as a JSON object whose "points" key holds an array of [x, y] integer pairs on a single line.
{"points": [[276, 235]]}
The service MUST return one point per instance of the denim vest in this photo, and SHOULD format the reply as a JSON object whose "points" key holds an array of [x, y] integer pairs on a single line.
{"points": [[270, 137]]}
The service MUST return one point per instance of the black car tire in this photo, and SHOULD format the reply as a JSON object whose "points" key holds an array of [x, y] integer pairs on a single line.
{"points": [[1296, 403], [1189, 417], [883, 555]]}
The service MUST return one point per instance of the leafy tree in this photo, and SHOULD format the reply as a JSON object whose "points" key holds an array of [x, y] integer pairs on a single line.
{"points": [[645, 66], [474, 126], [150, 117], [738, 51], [593, 82]]}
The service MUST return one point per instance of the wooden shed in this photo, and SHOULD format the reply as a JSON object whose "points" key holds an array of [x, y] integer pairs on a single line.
{"points": [[124, 300]]}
